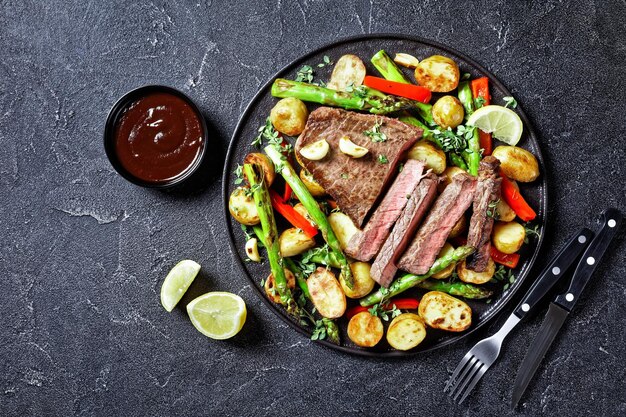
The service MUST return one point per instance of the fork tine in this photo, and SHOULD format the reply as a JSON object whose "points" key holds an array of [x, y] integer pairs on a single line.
{"points": [[458, 370], [469, 368], [477, 377], [467, 379]]}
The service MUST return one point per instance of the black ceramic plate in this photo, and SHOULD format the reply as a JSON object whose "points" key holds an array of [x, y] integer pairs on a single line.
{"points": [[364, 47]]}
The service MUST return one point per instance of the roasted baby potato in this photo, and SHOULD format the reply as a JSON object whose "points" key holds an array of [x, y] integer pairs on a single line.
{"points": [[517, 163], [447, 248], [434, 158], [448, 112], [442, 311], [504, 212], [363, 282], [406, 331], [262, 160], [313, 186], [293, 242], [508, 237], [438, 73], [473, 277], [447, 175], [459, 228], [365, 330], [270, 286], [326, 293], [289, 116], [343, 227], [349, 70], [242, 207], [304, 213]]}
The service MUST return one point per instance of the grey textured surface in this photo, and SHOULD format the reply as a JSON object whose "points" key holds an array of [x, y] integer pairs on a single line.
{"points": [[83, 252]]}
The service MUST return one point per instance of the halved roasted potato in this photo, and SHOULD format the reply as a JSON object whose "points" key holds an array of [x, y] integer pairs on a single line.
{"points": [[446, 249], [438, 73], [363, 282], [517, 163], [289, 116], [434, 158], [270, 286], [326, 293], [504, 212], [313, 186], [293, 242], [459, 228], [508, 237], [242, 207], [348, 70], [406, 331], [447, 175], [304, 213], [473, 277], [365, 330], [262, 160], [343, 227], [442, 311]]}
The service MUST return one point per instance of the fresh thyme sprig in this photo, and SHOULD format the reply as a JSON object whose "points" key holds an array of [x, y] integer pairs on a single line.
{"points": [[492, 209], [531, 232], [510, 102], [375, 134]]}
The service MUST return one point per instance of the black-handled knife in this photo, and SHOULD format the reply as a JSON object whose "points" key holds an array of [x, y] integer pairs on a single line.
{"points": [[560, 308]]}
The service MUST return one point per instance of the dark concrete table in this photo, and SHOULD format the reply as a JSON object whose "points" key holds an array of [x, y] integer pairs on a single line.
{"points": [[83, 252]]}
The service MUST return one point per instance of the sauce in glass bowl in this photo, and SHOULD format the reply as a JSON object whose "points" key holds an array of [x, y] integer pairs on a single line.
{"points": [[155, 136]]}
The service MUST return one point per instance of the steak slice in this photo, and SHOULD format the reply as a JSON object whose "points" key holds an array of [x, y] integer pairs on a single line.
{"points": [[481, 223], [384, 267], [365, 245], [355, 183], [431, 236]]}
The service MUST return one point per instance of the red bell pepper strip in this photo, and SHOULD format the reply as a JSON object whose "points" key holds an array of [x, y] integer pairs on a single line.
{"points": [[400, 303], [414, 92], [292, 216], [288, 192], [480, 88], [513, 198], [508, 260]]}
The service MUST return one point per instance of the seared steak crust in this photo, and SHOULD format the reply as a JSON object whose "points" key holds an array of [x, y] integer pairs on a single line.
{"points": [[431, 236], [355, 183], [384, 267], [364, 245], [481, 223]]}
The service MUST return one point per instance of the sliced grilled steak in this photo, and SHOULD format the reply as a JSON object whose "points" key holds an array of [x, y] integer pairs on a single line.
{"points": [[481, 223], [355, 183], [431, 236], [384, 267], [365, 245]]}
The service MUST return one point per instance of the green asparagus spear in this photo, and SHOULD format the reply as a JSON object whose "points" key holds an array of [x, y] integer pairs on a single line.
{"points": [[457, 160], [472, 153], [299, 189], [263, 203], [411, 280], [363, 98], [459, 289], [410, 120], [390, 71], [291, 265]]}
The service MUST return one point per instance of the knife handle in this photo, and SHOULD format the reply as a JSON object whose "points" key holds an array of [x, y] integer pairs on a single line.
{"points": [[610, 222], [554, 271]]}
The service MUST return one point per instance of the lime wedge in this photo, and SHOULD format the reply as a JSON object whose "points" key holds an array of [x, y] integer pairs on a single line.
{"points": [[177, 282], [218, 315], [503, 123]]}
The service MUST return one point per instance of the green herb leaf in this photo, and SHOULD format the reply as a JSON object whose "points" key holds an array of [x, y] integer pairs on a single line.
{"points": [[466, 76], [510, 102], [531, 232], [375, 134], [491, 209], [382, 159], [479, 102], [305, 74]]}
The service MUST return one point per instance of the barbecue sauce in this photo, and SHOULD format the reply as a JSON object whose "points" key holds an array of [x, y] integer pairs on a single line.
{"points": [[158, 137]]}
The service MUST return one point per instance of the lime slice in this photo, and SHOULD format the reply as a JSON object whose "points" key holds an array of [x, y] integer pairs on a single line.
{"points": [[503, 123], [218, 315], [177, 282]]}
